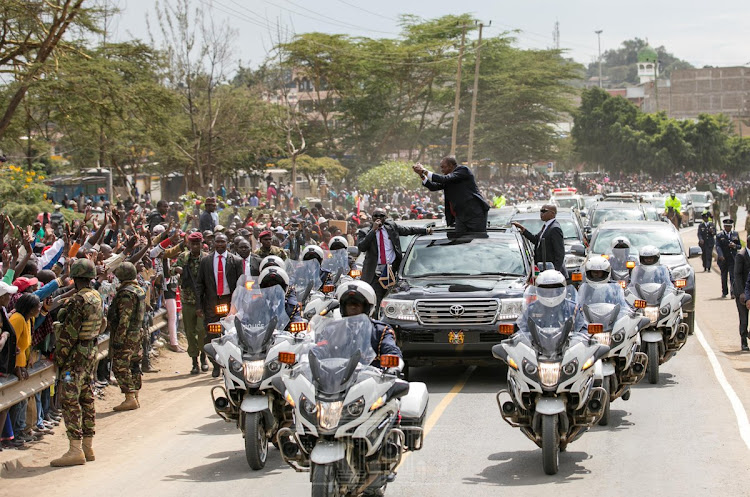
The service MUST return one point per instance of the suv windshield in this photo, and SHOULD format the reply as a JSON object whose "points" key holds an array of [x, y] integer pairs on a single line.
{"points": [[665, 240], [535, 226], [464, 257], [699, 197], [566, 203], [617, 214]]}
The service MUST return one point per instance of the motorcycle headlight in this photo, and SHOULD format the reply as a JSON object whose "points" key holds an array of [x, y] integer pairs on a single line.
{"points": [[651, 312], [618, 337], [398, 309], [329, 414], [549, 373], [570, 368], [510, 309], [306, 405], [236, 367], [529, 368], [274, 366], [604, 338], [356, 408], [665, 310], [681, 272], [253, 371]]}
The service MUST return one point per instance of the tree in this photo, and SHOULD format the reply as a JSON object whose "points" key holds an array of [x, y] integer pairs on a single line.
{"points": [[31, 38], [311, 167], [389, 174]]}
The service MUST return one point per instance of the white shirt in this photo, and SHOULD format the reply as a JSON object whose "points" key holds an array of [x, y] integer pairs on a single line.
{"points": [[427, 178], [216, 272], [544, 228], [390, 254]]}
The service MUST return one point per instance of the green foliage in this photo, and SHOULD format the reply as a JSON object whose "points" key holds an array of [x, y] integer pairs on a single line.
{"points": [[390, 174], [620, 64], [311, 167]]}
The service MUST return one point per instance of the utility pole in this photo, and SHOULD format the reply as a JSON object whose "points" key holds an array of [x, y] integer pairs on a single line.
{"points": [[458, 91], [599, 38], [474, 96]]}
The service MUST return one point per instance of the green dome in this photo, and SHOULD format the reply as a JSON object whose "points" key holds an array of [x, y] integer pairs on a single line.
{"points": [[647, 54]]}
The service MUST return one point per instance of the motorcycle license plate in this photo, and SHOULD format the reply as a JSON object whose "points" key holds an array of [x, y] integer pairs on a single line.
{"points": [[456, 337]]}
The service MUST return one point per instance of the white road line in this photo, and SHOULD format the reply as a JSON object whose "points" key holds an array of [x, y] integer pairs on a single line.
{"points": [[739, 410]]}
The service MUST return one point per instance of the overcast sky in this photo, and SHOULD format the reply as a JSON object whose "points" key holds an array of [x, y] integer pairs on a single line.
{"points": [[703, 33]]}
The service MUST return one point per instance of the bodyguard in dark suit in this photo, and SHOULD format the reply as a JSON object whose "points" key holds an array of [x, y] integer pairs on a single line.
{"points": [[217, 278], [207, 221], [549, 243], [382, 248], [465, 207], [739, 285], [727, 244], [707, 240]]}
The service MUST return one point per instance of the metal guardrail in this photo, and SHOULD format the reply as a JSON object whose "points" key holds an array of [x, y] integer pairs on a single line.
{"points": [[43, 373]]}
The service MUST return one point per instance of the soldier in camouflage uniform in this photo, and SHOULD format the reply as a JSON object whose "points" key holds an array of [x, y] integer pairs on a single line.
{"points": [[266, 249], [80, 323], [187, 266], [125, 318]]}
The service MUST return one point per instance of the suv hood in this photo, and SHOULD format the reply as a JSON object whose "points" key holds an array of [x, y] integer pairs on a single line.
{"points": [[672, 261], [473, 287]]}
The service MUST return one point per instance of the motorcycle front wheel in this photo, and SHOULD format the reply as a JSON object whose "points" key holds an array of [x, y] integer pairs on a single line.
{"points": [[324, 482], [550, 444], [256, 441], [652, 350]]}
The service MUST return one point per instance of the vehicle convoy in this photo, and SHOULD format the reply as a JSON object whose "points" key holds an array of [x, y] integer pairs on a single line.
{"points": [[352, 421], [603, 304], [453, 295], [652, 291], [551, 395], [249, 354]]}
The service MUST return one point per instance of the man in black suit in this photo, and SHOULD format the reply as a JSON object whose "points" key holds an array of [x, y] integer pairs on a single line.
{"points": [[217, 278], [465, 207], [549, 244], [382, 249], [209, 219]]}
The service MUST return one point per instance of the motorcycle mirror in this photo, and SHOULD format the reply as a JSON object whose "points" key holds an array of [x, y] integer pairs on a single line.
{"points": [[389, 361], [499, 352], [333, 305]]}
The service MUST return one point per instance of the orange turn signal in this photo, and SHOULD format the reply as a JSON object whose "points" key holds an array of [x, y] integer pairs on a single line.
{"points": [[355, 273], [287, 358], [214, 328], [606, 256], [680, 283], [249, 284], [623, 283], [639, 304], [630, 264], [222, 309], [595, 328], [328, 288], [505, 329], [576, 277], [389, 361], [297, 327]]}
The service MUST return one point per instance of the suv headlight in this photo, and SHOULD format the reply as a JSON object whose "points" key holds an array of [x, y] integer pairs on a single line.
{"points": [[253, 371], [510, 309], [681, 272], [398, 309]]}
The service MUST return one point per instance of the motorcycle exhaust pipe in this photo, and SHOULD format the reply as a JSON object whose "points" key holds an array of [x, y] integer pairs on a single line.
{"points": [[509, 407], [638, 368], [221, 404], [595, 405], [289, 449]]}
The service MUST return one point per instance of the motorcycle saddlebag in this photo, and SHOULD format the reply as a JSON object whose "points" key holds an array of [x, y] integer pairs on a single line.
{"points": [[413, 414]]}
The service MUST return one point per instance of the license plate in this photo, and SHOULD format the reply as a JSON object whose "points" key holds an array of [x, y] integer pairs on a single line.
{"points": [[456, 337]]}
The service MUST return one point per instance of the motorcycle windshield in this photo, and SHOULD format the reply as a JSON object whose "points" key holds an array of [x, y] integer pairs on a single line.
{"points": [[549, 325], [649, 283], [601, 303], [304, 277], [618, 259], [336, 260], [262, 313], [341, 345]]}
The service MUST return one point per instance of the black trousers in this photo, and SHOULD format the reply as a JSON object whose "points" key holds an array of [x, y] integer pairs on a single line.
{"points": [[743, 313], [379, 294], [707, 256], [211, 317], [477, 223], [727, 271]]}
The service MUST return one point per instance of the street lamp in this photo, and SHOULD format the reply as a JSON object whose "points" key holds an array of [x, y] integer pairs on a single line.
{"points": [[599, 38]]}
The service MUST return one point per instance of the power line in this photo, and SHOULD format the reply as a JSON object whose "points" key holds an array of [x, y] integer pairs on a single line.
{"points": [[368, 11]]}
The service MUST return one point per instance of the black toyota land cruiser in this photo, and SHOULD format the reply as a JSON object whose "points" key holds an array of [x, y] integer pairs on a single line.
{"points": [[454, 294]]}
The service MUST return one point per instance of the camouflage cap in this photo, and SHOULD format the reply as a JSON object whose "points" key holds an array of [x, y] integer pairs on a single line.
{"points": [[126, 271], [83, 268]]}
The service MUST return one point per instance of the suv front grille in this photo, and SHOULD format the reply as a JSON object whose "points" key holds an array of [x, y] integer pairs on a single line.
{"points": [[457, 312]]}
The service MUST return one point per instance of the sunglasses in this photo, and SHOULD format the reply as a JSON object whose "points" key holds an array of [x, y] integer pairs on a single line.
{"points": [[544, 211], [379, 216]]}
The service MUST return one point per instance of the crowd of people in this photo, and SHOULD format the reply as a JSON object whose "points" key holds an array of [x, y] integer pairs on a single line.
{"points": [[139, 258]]}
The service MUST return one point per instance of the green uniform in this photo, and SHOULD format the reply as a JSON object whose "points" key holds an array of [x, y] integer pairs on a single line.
{"points": [[194, 329], [279, 252], [126, 332], [75, 357]]}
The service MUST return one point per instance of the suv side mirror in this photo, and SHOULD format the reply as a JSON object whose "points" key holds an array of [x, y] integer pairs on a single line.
{"points": [[578, 249], [694, 252]]}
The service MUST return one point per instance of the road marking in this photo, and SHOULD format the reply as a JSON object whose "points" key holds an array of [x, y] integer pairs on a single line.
{"points": [[442, 406], [739, 410]]}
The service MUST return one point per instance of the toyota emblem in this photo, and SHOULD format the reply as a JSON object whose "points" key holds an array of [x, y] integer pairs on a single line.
{"points": [[456, 310]]}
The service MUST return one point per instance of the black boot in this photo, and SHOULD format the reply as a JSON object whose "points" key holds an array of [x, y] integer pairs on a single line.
{"points": [[744, 344], [204, 362], [195, 369], [217, 371]]}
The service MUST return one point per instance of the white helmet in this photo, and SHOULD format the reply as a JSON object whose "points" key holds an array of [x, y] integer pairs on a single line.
{"points": [[649, 255], [621, 242], [338, 242], [550, 288], [598, 271], [271, 260], [313, 252], [358, 290], [273, 275]]}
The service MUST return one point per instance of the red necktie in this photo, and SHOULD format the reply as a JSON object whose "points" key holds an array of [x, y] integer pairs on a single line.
{"points": [[243, 265], [220, 278], [382, 247]]}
